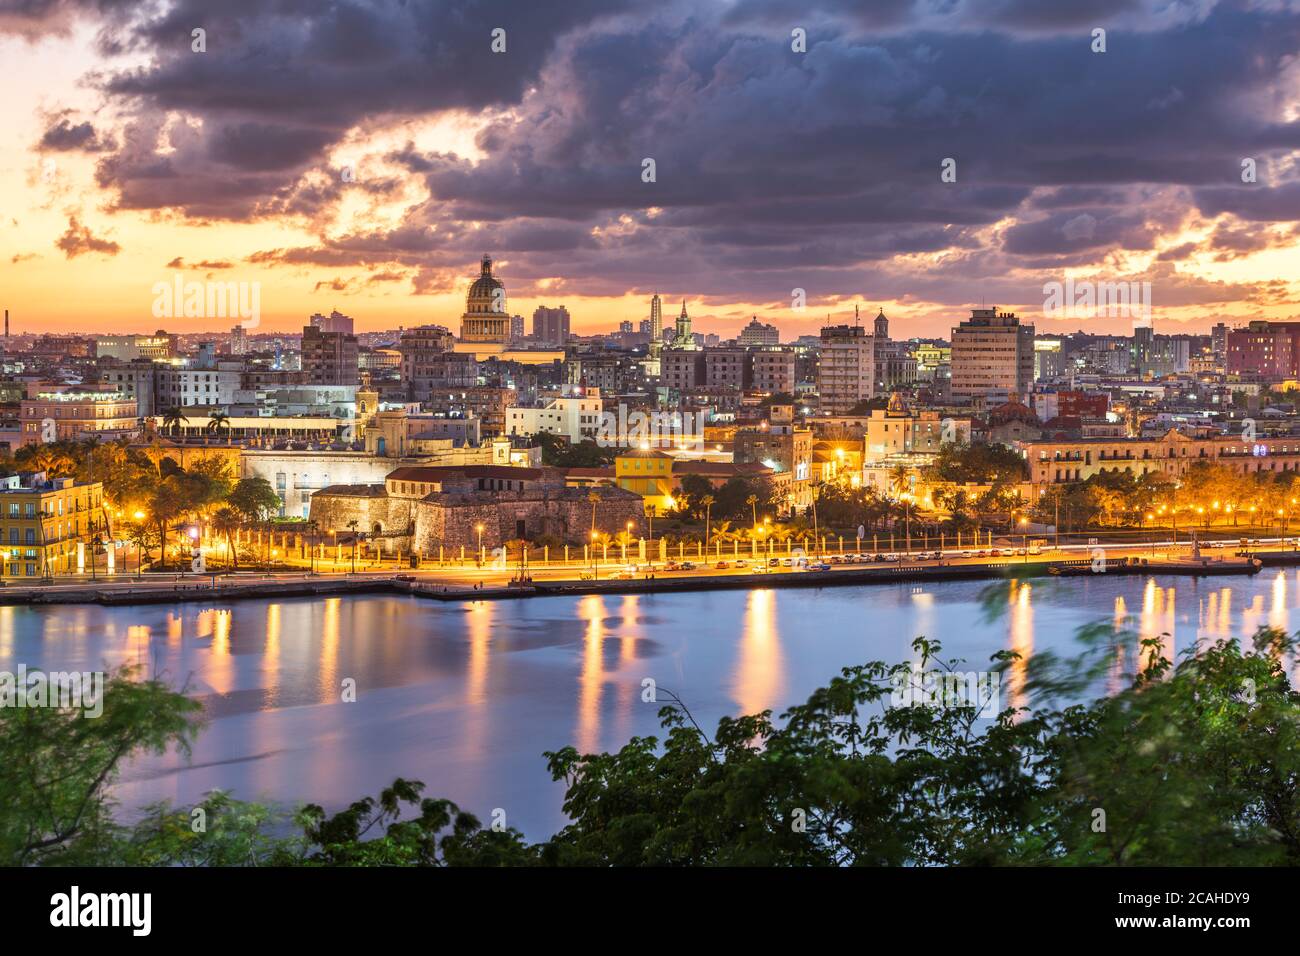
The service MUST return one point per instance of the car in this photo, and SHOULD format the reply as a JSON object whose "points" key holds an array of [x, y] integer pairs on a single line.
{"points": [[879, 557], [672, 566], [773, 562], [821, 566], [688, 566], [968, 554], [1020, 552], [893, 556], [722, 566], [787, 562], [404, 577], [1035, 549]]}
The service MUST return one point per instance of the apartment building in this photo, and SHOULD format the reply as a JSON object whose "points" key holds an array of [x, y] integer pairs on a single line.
{"points": [[50, 526], [992, 356], [1172, 454], [845, 368], [59, 416]]}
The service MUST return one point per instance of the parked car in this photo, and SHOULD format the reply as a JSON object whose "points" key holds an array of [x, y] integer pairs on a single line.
{"points": [[722, 566], [786, 562], [688, 566], [672, 566]]}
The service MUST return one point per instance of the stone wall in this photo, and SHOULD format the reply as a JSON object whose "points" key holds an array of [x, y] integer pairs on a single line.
{"points": [[452, 521], [373, 513]]}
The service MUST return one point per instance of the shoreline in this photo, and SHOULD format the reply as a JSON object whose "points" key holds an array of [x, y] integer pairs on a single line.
{"points": [[431, 589]]}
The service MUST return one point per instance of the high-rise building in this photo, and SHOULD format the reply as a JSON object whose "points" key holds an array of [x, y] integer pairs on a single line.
{"points": [[238, 343], [551, 326], [1271, 349], [426, 354], [992, 356], [1219, 340], [336, 321], [845, 368], [485, 318], [656, 319], [758, 333], [330, 357]]}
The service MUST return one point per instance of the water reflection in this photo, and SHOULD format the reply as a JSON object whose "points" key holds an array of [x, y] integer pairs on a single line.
{"points": [[758, 683], [466, 697]]}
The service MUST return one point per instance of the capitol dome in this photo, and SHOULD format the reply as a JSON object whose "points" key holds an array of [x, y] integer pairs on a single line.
{"points": [[483, 295]]}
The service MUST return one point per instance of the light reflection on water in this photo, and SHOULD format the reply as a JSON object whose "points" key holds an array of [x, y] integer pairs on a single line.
{"points": [[466, 697]]}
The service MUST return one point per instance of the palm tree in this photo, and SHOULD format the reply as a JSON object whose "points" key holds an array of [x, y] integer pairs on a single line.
{"points": [[218, 421], [752, 501], [352, 526], [707, 501], [226, 522], [172, 418], [898, 479]]}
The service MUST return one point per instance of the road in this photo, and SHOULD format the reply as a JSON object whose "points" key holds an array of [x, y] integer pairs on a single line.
{"points": [[469, 578]]}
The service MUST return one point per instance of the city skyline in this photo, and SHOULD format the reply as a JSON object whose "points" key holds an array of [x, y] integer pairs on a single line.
{"points": [[365, 177]]}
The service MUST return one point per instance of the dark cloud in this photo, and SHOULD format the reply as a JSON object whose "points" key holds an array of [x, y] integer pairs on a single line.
{"points": [[774, 169], [78, 241], [65, 135]]}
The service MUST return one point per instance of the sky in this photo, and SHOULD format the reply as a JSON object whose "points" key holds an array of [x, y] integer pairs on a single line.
{"points": [[921, 156]]}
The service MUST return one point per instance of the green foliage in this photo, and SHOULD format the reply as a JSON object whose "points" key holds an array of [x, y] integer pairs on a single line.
{"points": [[558, 453], [59, 764], [254, 499], [977, 464]]}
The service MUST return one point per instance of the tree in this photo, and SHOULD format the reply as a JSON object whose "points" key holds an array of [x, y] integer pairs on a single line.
{"points": [[707, 503], [254, 498], [59, 766], [227, 522], [218, 421], [172, 419], [870, 770]]}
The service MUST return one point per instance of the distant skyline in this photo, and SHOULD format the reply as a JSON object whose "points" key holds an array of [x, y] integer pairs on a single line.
{"points": [[363, 156]]}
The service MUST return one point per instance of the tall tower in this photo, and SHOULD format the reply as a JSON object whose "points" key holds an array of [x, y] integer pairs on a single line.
{"points": [[656, 319], [882, 327], [682, 338]]}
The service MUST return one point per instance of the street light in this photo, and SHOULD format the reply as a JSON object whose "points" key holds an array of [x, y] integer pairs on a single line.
{"points": [[479, 556]]}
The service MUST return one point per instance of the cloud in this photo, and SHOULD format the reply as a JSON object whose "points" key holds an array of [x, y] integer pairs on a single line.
{"points": [[78, 241], [65, 135]]}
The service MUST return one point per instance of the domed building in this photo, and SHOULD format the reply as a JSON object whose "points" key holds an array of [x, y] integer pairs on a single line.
{"points": [[485, 318]]}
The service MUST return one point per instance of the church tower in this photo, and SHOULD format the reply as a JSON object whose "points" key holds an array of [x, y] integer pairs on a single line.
{"points": [[882, 327], [682, 337]]}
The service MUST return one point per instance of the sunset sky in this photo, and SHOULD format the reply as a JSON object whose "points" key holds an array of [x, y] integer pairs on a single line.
{"points": [[131, 158]]}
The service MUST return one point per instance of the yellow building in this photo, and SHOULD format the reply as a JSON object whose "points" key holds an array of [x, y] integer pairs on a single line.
{"points": [[48, 525], [649, 473]]}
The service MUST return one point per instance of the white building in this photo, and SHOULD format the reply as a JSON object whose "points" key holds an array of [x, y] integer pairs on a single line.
{"points": [[574, 414]]}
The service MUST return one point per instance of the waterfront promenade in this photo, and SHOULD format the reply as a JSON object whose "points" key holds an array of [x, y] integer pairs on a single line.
{"points": [[459, 583]]}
